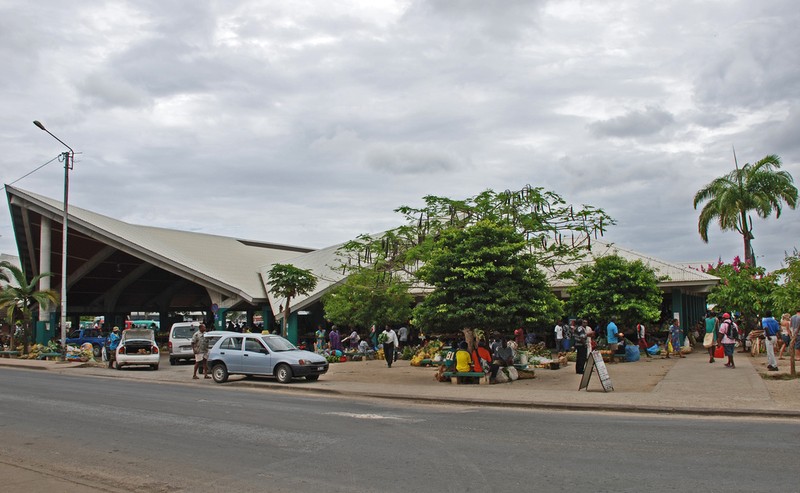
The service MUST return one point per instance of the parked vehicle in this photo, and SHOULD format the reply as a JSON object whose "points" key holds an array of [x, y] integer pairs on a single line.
{"points": [[138, 347], [93, 336], [263, 355], [180, 341]]}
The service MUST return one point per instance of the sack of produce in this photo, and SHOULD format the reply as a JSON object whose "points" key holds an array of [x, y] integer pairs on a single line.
{"points": [[632, 353]]}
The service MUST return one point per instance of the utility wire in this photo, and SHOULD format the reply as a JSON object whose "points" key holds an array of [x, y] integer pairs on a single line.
{"points": [[34, 171]]}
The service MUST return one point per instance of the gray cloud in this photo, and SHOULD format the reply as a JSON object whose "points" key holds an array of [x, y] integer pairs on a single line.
{"points": [[409, 160], [635, 123], [310, 125]]}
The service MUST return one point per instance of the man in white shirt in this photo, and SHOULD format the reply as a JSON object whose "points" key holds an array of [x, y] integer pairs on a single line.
{"points": [[402, 336], [390, 342], [559, 331]]}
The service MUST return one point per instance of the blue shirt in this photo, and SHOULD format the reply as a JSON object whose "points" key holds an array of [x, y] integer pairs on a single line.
{"points": [[612, 331], [771, 326], [113, 341]]}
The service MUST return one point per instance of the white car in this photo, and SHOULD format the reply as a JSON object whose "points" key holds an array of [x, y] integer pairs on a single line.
{"points": [[138, 347], [180, 341]]}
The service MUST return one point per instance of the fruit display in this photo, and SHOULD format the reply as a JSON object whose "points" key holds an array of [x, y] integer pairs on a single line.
{"points": [[428, 352]]}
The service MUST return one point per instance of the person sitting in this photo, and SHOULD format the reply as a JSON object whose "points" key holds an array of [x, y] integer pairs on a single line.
{"points": [[463, 359], [481, 358], [504, 356]]}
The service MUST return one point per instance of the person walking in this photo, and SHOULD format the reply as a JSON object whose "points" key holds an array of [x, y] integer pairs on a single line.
{"points": [[786, 334], [389, 339], [641, 334], [200, 349], [710, 338], [111, 346], [580, 336], [771, 331], [675, 333], [402, 337], [730, 332], [795, 325]]}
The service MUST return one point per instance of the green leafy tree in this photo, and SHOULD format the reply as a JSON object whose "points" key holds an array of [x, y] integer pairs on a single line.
{"points": [[369, 297], [18, 298], [288, 281], [759, 187], [744, 288], [484, 277], [553, 231], [613, 286]]}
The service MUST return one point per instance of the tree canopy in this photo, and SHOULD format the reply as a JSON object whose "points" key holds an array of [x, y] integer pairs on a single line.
{"points": [[288, 281], [761, 187], [18, 299], [744, 288], [613, 286], [483, 277], [369, 297], [536, 228]]}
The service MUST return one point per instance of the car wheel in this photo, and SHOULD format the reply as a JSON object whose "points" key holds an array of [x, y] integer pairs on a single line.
{"points": [[97, 350], [117, 365], [220, 373], [283, 373], [312, 378], [172, 361], [154, 367]]}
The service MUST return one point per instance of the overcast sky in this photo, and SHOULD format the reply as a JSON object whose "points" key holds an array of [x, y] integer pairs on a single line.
{"points": [[308, 123]]}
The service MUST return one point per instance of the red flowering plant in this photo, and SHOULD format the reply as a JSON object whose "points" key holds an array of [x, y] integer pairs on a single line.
{"points": [[743, 288]]}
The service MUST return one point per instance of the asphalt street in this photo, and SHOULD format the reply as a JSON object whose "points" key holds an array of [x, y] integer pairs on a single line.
{"points": [[122, 435]]}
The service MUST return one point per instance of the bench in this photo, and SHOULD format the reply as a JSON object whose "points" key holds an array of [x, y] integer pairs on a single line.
{"points": [[49, 355], [458, 377], [8, 354]]}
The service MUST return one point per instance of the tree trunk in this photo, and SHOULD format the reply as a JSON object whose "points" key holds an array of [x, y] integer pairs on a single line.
{"points": [[469, 336], [286, 312]]}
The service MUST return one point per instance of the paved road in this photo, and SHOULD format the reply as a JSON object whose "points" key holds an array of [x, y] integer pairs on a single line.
{"points": [[121, 435]]}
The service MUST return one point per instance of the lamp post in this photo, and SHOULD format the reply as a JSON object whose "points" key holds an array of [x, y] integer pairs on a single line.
{"points": [[68, 162]]}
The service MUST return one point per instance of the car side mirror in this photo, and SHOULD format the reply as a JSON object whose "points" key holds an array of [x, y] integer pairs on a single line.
{"points": [[264, 351]]}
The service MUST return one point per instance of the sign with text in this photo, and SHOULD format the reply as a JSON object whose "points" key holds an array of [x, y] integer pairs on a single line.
{"points": [[596, 363]]}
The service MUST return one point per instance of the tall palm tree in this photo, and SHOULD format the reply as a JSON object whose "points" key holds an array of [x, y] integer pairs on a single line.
{"points": [[17, 299], [759, 187]]}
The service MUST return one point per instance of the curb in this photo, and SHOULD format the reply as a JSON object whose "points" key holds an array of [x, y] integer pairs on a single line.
{"points": [[512, 404]]}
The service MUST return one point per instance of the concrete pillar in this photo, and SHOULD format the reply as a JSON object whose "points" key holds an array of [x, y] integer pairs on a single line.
{"points": [[291, 329], [266, 317], [44, 327], [220, 319]]}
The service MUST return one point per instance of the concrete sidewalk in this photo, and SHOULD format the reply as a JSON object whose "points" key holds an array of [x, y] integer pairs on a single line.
{"points": [[690, 385]]}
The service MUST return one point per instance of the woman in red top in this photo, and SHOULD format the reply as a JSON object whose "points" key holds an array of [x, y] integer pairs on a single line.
{"points": [[478, 354]]}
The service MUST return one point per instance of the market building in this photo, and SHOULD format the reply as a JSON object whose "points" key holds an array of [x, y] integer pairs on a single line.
{"points": [[116, 268]]}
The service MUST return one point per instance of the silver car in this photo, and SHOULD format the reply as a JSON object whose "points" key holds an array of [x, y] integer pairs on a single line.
{"points": [[265, 355]]}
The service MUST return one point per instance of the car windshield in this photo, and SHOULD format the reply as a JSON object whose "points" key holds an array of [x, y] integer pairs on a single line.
{"points": [[183, 332], [139, 334], [277, 343]]}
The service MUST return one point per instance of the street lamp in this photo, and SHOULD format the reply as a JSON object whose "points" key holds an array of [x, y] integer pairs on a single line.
{"points": [[68, 162]]}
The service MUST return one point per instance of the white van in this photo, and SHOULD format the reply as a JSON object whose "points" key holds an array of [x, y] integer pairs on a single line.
{"points": [[180, 341]]}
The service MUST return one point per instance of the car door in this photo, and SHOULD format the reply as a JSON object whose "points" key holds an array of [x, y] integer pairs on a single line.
{"points": [[256, 358], [230, 352]]}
